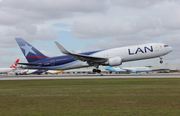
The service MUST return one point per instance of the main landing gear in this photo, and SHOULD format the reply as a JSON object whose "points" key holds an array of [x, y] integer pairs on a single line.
{"points": [[96, 70], [161, 60]]}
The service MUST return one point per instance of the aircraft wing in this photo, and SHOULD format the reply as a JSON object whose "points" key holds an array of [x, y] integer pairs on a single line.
{"points": [[88, 59]]}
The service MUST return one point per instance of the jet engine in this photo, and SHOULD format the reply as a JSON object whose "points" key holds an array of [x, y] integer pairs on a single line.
{"points": [[115, 61]]}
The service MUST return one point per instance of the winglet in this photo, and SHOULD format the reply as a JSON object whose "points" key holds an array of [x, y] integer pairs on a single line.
{"points": [[61, 48]]}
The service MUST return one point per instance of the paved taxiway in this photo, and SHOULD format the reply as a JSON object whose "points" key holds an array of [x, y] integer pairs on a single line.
{"points": [[89, 76]]}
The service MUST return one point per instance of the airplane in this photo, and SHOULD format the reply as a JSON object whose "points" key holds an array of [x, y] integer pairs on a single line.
{"points": [[37, 71], [107, 57], [11, 68], [29, 71], [128, 69], [20, 71]]}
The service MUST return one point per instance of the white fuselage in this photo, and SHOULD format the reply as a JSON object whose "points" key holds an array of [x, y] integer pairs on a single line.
{"points": [[136, 52], [6, 70], [141, 69], [129, 53]]}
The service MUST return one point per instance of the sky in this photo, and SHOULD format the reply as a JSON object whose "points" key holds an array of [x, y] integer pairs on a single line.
{"points": [[87, 25]]}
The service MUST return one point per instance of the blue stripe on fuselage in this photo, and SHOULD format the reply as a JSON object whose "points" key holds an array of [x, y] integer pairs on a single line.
{"points": [[59, 61]]}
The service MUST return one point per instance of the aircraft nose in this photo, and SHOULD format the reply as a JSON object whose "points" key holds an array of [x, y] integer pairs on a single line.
{"points": [[170, 49]]}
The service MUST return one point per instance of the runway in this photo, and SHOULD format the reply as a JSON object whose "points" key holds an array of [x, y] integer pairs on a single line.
{"points": [[89, 76]]}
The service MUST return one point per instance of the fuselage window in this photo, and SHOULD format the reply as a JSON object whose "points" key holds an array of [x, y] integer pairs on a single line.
{"points": [[166, 45]]}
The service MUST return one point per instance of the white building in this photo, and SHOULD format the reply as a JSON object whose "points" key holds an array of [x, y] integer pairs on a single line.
{"points": [[170, 67]]}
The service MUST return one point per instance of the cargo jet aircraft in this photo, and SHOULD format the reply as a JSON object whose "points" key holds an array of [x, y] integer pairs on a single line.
{"points": [[107, 57]]}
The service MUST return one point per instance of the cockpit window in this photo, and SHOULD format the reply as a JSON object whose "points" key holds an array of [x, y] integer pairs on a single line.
{"points": [[166, 45]]}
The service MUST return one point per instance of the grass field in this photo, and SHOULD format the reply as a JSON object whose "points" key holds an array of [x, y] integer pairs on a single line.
{"points": [[99, 97]]}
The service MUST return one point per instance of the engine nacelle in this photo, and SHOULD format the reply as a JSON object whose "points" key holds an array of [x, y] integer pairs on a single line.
{"points": [[115, 61]]}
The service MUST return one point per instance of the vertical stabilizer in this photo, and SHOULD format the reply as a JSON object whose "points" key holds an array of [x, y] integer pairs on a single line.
{"points": [[14, 65], [31, 53], [120, 67], [110, 68]]}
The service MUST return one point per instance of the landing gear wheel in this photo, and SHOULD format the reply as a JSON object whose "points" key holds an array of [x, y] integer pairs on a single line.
{"points": [[96, 70]]}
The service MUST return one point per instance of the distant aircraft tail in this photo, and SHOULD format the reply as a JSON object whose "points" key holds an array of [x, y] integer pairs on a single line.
{"points": [[120, 67], [14, 65], [31, 53], [109, 68]]}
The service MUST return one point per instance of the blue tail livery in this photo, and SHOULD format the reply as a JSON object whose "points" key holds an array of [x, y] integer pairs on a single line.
{"points": [[31, 53]]}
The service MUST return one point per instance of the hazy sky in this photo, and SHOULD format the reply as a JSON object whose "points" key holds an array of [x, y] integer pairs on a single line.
{"points": [[85, 25]]}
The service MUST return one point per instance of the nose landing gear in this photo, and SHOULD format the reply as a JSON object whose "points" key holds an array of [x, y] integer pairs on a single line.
{"points": [[161, 60]]}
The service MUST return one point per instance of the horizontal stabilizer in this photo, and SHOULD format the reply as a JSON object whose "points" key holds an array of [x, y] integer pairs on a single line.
{"points": [[30, 64]]}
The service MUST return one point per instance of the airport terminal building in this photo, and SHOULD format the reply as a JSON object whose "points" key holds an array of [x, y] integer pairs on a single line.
{"points": [[167, 67]]}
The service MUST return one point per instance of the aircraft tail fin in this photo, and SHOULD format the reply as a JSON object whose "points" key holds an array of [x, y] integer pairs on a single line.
{"points": [[31, 53], [109, 68], [120, 67], [14, 65]]}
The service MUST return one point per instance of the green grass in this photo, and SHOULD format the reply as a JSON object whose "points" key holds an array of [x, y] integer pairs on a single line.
{"points": [[99, 97]]}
